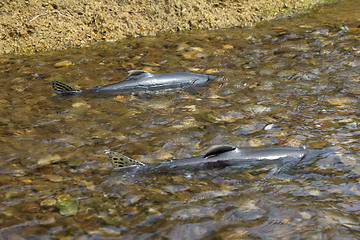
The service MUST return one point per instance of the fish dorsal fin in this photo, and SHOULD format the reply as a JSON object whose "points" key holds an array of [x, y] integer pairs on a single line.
{"points": [[64, 89], [118, 160], [137, 73], [217, 149]]}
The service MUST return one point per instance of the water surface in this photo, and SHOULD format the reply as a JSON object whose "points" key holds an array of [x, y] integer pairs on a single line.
{"points": [[292, 82]]}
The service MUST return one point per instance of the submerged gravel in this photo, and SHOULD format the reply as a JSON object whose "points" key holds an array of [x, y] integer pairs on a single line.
{"points": [[292, 82]]}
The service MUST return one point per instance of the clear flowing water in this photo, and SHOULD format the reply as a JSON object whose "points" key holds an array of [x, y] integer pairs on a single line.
{"points": [[292, 82]]}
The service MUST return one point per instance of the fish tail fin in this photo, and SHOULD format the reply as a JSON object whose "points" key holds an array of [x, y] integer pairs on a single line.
{"points": [[61, 88], [119, 161]]}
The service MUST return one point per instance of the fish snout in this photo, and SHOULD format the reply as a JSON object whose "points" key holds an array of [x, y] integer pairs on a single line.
{"points": [[213, 77]]}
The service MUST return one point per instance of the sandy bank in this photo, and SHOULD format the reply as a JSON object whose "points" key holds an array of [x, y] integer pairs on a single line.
{"points": [[32, 26]]}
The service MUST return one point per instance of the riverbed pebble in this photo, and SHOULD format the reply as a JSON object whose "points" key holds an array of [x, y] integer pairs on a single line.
{"points": [[64, 63], [49, 159]]}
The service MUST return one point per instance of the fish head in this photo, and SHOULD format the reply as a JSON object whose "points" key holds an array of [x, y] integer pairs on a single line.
{"points": [[202, 79], [313, 155], [206, 79], [212, 77]]}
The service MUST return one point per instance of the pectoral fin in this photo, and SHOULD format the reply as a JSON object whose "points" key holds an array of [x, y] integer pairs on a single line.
{"points": [[118, 160]]}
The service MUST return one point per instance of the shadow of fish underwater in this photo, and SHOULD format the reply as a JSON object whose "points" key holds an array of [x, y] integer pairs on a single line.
{"points": [[220, 156], [138, 81]]}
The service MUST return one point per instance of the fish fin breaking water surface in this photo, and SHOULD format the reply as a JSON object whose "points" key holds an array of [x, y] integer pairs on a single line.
{"points": [[217, 149], [119, 160], [133, 74], [64, 89]]}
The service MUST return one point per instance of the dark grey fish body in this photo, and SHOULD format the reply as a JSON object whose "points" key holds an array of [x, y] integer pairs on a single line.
{"points": [[220, 157], [141, 81]]}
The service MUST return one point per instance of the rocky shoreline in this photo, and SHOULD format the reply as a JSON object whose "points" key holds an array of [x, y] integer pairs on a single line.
{"points": [[34, 26]]}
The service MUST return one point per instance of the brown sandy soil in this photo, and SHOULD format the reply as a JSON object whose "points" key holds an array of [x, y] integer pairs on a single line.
{"points": [[32, 25]]}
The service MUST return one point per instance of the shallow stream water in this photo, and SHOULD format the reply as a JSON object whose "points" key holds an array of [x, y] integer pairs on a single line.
{"points": [[292, 82]]}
